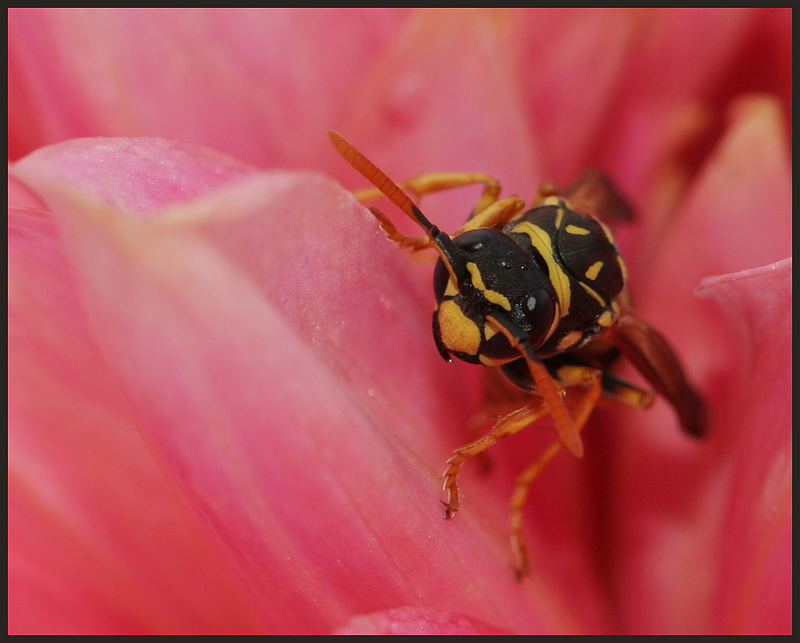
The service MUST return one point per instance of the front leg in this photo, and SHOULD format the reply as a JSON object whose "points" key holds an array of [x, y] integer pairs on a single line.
{"points": [[550, 390], [440, 181], [506, 426]]}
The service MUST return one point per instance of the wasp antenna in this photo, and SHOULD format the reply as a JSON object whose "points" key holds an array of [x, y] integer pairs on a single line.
{"points": [[392, 191], [375, 175]]}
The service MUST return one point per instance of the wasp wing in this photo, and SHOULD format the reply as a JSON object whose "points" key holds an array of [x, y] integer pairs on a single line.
{"points": [[654, 358]]}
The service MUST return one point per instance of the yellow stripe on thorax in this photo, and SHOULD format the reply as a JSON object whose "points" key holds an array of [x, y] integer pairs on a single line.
{"points": [[542, 242], [594, 270], [596, 296], [575, 229]]}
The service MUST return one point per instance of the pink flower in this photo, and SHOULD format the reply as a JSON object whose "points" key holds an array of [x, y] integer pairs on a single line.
{"points": [[226, 412]]}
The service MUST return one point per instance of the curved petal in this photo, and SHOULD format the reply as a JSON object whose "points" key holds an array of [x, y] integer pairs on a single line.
{"points": [[288, 438], [754, 585], [100, 539]]}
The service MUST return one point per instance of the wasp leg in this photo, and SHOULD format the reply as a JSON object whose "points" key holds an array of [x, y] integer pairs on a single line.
{"points": [[439, 181], [546, 386], [621, 391], [439, 240], [498, 213], [501, 398], [588, 377], [613, 387], [510, 424], [488, 212], [413, 243], [518, 548]]}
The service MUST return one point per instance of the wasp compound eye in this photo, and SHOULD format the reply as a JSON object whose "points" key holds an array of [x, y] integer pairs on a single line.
{"points": [[539, 310], [474, 240]]}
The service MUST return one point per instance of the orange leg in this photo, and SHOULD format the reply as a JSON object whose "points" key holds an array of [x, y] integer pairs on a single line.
{"points": [[412, 243], [508, 425], [592, 379], [498, 213], [487, 213], [550, 390], [439, 181]]}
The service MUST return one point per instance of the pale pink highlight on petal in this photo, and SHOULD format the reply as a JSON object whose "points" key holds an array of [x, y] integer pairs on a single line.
{"points": [[100, 540], [140, 176], [415, 621]]}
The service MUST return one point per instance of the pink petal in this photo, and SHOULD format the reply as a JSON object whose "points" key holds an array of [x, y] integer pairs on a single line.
{"points": [[300, 462], [755, 582], [415, 620], [234, 80], [100, 540], [443, 97]]}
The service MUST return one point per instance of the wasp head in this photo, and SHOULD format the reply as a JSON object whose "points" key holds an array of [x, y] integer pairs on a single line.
{"points": [[485, 273]]}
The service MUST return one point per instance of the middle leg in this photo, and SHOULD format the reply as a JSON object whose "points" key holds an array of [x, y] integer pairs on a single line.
{"points": [[592, 379]]}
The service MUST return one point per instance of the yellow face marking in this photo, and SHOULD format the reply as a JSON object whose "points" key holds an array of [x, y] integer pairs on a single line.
{"points": [[477, 280], [576, 229], [593, 270], [459, 333], [488, 332], [606, 319], [451, 290], [491, 295], [497, 298], [569, 340], [541, 241], [591, 292]]}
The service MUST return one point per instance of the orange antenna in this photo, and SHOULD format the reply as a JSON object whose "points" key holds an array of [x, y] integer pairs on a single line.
{"points": [[376, 176]]}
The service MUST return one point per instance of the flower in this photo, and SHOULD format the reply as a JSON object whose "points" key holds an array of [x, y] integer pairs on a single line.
{"points": [[226, 413]]}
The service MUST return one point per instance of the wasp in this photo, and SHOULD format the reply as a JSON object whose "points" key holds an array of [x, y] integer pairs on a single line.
{"points": [[539, 295]]}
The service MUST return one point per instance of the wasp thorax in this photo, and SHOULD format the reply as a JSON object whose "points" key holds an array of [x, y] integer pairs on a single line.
{"points": [[496, 277]]}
